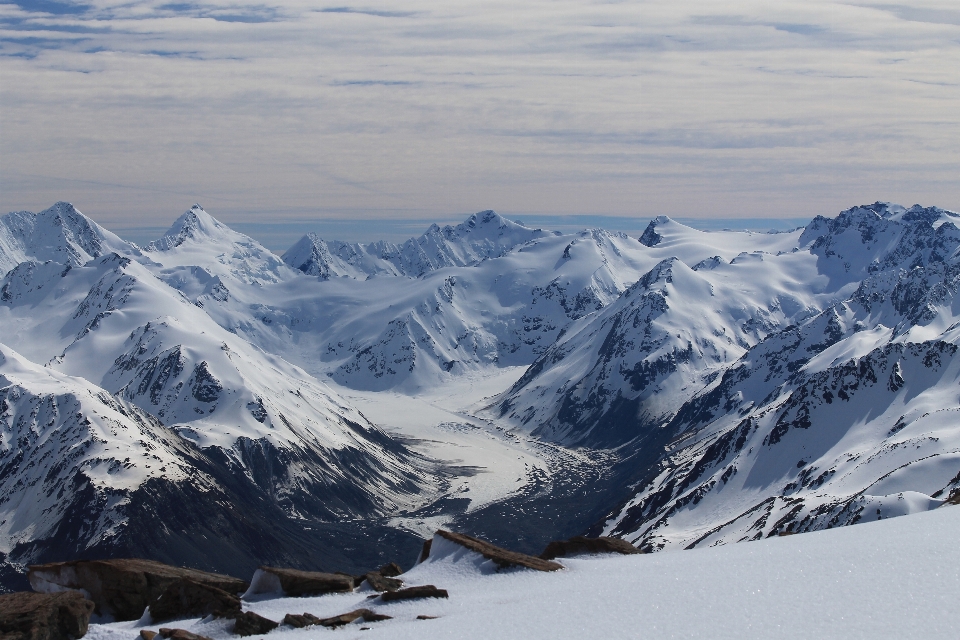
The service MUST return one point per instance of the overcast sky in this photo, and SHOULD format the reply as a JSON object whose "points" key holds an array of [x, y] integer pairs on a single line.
{"points": [[302, 110]]}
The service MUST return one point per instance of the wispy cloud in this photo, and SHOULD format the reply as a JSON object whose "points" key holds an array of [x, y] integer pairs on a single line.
{"points": [[305, 108], [369, 12]]}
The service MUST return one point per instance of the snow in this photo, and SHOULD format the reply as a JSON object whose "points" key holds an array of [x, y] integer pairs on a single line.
{"points": [[66, 425], [476, 359], [896, 578], [491, 462]]}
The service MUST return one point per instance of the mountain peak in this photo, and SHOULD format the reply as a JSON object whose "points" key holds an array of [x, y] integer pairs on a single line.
{"points": [[60, 233], [193, 224]]}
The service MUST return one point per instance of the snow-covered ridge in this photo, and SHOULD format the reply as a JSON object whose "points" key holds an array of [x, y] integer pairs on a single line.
{"points": [[61, 234], [682, 352], [481, 236], [68, 446], [845, 417]]}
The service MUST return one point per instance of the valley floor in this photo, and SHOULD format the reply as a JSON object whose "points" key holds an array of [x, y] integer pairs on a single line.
{"points": [[487, 462], [897, 578]]}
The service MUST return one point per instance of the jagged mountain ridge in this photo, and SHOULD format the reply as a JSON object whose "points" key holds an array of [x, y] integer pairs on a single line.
{"points": [[633, 364], [253, 422], [846, 417], [226, 346], [61, 234], [481, 236]]}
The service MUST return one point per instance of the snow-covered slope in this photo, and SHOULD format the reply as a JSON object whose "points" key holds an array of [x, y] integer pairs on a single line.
{"points": [[893, 579], [256, 422], [123, 329], [631, 366], [61, 234], [413, 333], [695, 377], [848, 416], [481, 236], [71, 450]]}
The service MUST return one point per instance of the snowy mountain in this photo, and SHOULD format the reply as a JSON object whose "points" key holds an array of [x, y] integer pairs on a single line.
{"points": [[843, 418], [60, 234], [631, 366], [482, 236], [411, 333], [260, 425], [688, 388]]}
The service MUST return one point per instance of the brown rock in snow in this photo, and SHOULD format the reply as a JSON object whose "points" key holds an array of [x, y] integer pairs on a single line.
{"points": [[579, 545], [295, 583], [423, 591], [181, 634], [250, 623], [502, 557], [44, 616], [425, 551], [390, 570], [121, 588], [186, 598], [379, 582], [347, 618], [300, 621]]}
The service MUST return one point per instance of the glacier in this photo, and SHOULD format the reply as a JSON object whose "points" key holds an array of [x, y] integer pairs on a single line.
{"points": [[200, 399]]}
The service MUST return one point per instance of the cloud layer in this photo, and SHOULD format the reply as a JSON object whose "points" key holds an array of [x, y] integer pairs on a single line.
{"points": [[291, 110]]}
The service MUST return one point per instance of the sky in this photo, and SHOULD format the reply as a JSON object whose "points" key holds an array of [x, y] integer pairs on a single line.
{"points": [[383, 114]]}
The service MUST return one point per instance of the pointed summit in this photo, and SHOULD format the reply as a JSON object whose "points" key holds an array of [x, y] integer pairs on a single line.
{"points": [[194, 224], [197, 238], [60, 233]]}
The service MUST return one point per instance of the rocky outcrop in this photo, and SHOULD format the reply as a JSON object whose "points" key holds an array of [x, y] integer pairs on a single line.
{"points": [[250, 624], [347, 618], [44, 616], [180, 634], [380, 582], [580, 545], [390, 570], [412, 593], [425, 550], [122, 588], [501, 557], [187, 598], [300, 621], [295, 583]]}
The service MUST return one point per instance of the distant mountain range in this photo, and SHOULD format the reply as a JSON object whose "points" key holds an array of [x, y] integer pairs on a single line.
{"points": [[172, 400]]}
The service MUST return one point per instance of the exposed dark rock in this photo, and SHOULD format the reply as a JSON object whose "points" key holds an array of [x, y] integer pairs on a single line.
{"points": [[356, 580], [300, 621], [502, 557], [122, 588], [347, 618], [187, 598], [296, 583], [44, 616], [181, 634], [579, 545], [423, 617], [425, 551], [250, 623], [379, 582], [391, 570], [410, 593]]}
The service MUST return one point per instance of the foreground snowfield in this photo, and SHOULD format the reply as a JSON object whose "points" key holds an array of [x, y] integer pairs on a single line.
{"points": [[897, 578]]}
